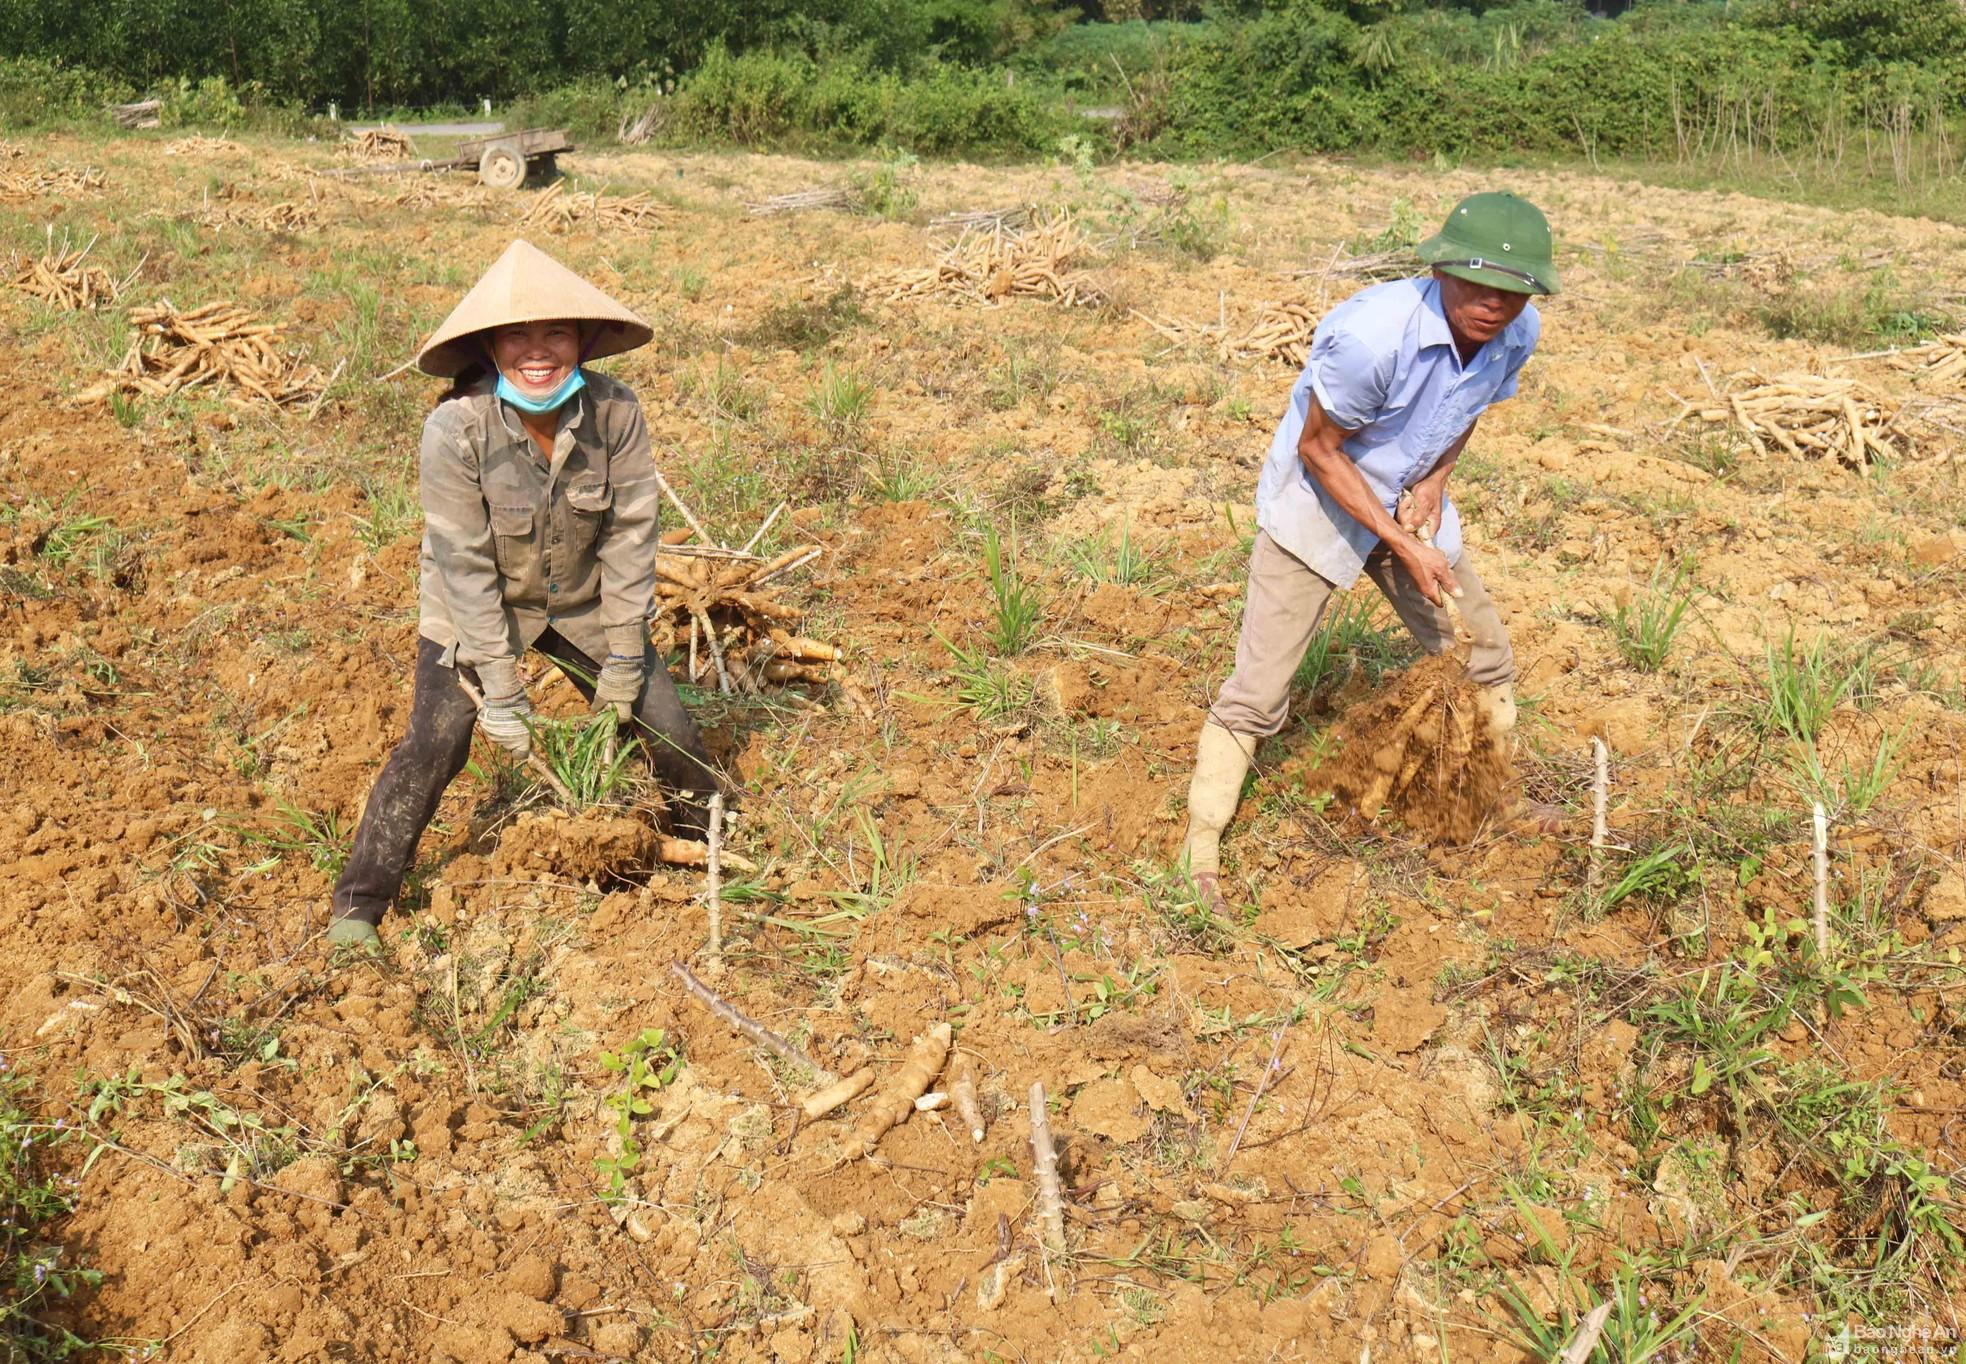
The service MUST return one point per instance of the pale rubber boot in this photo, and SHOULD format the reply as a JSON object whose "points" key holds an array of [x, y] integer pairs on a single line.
{"points": [[1221, 762], [1518, 814]]}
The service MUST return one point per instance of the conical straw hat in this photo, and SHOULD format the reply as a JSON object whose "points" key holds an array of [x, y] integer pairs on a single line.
{"points": [[527, 285]]}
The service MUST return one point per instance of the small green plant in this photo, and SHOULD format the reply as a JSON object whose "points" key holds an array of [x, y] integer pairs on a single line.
{"points": [[1850, 789], [34, 1269], [840, 399], [647, 1063], [986, 685], [1101, 559], [1354, 637], [1637, 1330], [1662, 874], [900, 476], [1807, 683], [887, 191], [1018, 605], [393, 508], [890, 869], [585, 756], [323, 837], [1646, 625]]}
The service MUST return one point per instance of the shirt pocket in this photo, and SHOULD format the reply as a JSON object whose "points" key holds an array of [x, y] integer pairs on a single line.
{"points": [[512, 539], [588, 500]]}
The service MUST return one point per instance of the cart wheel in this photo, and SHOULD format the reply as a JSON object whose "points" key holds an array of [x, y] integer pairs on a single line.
{"points": [[501, 168]]}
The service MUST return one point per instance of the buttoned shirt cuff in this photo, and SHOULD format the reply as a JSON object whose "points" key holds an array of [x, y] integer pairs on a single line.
{"points": [[627, 641], [499, 678]]}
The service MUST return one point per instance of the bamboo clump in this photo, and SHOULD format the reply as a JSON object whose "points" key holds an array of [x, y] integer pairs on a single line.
{"points": [[61, 182], [218, 346], [558, 210], [991, 262], [63, 278], [1811, 416]]}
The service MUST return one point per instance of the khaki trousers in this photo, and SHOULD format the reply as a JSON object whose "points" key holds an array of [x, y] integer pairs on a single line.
{"points": [[1284, 603]]}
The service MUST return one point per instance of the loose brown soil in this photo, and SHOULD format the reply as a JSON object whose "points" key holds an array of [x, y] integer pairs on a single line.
{"points": [[1406, 1076]]}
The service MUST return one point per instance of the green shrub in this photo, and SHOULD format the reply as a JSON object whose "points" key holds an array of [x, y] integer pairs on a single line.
{"points": [[36, 93]]}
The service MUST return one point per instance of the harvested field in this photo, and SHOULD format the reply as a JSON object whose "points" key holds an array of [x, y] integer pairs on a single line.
{"points": [[1413, 1101]]}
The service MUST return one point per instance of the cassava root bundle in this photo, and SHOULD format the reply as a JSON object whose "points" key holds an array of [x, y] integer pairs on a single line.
{"points": [[218, 345], [1810, 416], [559, 210], [988, 264], [64, 279]]}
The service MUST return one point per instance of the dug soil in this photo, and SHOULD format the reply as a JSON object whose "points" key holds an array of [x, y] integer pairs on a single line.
{"points": [[1404, 1078]]}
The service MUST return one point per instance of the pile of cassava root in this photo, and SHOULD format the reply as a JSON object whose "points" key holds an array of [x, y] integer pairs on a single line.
{"points": [[219, 346]]}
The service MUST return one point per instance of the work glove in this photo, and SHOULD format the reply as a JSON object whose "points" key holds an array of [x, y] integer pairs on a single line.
{"points": [[620, 682], [504, 712], [619, 685]]}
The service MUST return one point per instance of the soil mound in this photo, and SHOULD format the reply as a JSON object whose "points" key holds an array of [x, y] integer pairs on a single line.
{"points": [[591, 846]]}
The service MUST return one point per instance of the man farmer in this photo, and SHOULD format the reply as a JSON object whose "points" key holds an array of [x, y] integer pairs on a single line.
{"points": [[1356, 479]]}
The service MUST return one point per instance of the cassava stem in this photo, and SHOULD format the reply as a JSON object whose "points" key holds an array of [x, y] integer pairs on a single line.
{"points": [[1600, 795], [714, 876], [1044, 1165], [728, 1014], [1821, 916]]}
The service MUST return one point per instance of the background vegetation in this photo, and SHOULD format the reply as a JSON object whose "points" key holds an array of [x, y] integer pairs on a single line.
{"points": [[1846, 86]]}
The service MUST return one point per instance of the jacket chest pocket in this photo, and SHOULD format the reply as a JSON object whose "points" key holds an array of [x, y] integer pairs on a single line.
{"points": [[588, 500], [512, 538]]}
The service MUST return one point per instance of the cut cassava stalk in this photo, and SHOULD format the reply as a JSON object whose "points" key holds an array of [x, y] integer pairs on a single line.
{"points": [[897, 1101], [729, 1014], [714, 876], [823, 1101], [1044, 1168], [1600, 797], [1819, 824], [963, 1091]]}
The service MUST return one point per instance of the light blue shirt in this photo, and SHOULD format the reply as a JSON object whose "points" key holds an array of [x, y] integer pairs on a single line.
{"points": [[1384, 366]]}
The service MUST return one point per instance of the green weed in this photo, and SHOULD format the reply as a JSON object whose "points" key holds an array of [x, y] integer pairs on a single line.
{"points": [[322, 837], [1806, 684], [806, 324], [647, 1063], [887, 191], [1018, 606], [987, 685], [586, 756], [1646, 625], [1099, 558], [1848, 790], [393, 509], [898, 476], [1638, 1329], [1354, 638], [840, 399], [1663, 875], [35, 1270]]}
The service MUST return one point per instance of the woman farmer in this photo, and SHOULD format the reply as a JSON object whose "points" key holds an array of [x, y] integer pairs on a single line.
{"points": [[539, 510]]}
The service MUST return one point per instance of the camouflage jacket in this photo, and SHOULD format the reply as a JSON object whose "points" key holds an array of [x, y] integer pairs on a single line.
{"points": [[513, 544]]}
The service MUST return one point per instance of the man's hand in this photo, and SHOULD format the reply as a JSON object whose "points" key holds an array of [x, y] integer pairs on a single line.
{"points": [[504, 722], [1419, 507], [1427, 566], [619, 685]]}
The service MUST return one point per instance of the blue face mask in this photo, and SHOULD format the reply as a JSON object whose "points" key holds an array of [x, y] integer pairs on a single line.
{"points": [[551, 402]]}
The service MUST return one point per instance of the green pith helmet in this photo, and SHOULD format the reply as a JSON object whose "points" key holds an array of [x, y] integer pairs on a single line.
{"points": [[1495, 239]]}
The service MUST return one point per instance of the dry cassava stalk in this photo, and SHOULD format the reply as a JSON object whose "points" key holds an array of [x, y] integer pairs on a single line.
{"points": [[558, 209], [64, 279], [897, 1101], [988, 264], [823, 1101], [1044, 1169], [738, 1022], [378, 144], [218, 346], [1811, 416], [1281, 332], [280, 217], [200, 145], [804, 201], [963, 1091], [65, 182]]}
